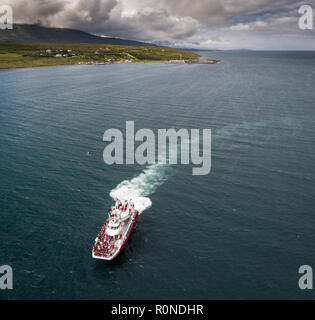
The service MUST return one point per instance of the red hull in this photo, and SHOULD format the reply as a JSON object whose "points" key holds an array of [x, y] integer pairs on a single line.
{"points": [[123, 244], [129, 234]]}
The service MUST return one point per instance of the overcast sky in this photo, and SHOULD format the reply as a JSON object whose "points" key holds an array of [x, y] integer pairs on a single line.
{"points": [[221, 24]]}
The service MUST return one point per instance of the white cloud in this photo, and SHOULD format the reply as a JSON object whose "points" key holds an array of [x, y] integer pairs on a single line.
{"points": [[253, 24]]}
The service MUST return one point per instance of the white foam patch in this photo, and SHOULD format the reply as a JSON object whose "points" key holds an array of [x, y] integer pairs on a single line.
{"points": [[140, 187]]}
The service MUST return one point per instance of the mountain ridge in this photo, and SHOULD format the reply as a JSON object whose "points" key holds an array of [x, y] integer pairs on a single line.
{"points": [[38, 33]]}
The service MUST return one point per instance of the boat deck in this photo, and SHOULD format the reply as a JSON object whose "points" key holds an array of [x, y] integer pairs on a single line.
{"points": [[107, 247]]}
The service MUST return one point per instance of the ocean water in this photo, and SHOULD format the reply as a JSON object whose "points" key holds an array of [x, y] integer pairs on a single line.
{"points": [[240, 232]]}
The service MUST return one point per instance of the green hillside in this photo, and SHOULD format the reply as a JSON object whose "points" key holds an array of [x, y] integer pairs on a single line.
{"points": [[26, 54]]}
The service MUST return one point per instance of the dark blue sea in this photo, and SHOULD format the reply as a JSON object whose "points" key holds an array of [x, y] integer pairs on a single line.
{"points": [[241, 232]]}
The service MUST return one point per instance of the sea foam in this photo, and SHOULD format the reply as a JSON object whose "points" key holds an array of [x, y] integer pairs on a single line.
{"points": [[140, 187]]}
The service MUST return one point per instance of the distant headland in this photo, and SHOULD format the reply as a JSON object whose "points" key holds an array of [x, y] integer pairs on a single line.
{"points": [[33, 46]]}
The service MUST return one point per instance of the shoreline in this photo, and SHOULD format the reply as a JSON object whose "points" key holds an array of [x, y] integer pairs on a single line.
{"points": [[172, 62], [17, 55]]}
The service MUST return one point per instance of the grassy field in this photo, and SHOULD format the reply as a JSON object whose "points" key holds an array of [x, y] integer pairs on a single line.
{"points": [[25, 54]]}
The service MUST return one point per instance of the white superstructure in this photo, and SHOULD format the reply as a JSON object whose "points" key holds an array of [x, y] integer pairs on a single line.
{"points": [[115, 233]]}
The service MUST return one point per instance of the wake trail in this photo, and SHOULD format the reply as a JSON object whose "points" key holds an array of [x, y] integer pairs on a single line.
{"points": [[140, 187]]}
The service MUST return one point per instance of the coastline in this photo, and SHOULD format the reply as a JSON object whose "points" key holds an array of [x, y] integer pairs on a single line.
{"points": [[212, 61], [17, 55]]}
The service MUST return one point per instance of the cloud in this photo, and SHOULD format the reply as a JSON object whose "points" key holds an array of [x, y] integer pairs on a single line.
{"points": [[158, 23], [33, 10], [260, 24], [240, 26]]}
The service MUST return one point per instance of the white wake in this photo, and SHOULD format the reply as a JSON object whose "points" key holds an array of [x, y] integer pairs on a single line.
{"points": [[140, 187]]}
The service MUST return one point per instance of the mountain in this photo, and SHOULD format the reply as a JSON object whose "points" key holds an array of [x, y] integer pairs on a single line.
{"points": [[38, 33]]}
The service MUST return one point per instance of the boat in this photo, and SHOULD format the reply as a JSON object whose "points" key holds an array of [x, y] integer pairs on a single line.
{"points": [[115, 233]]}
